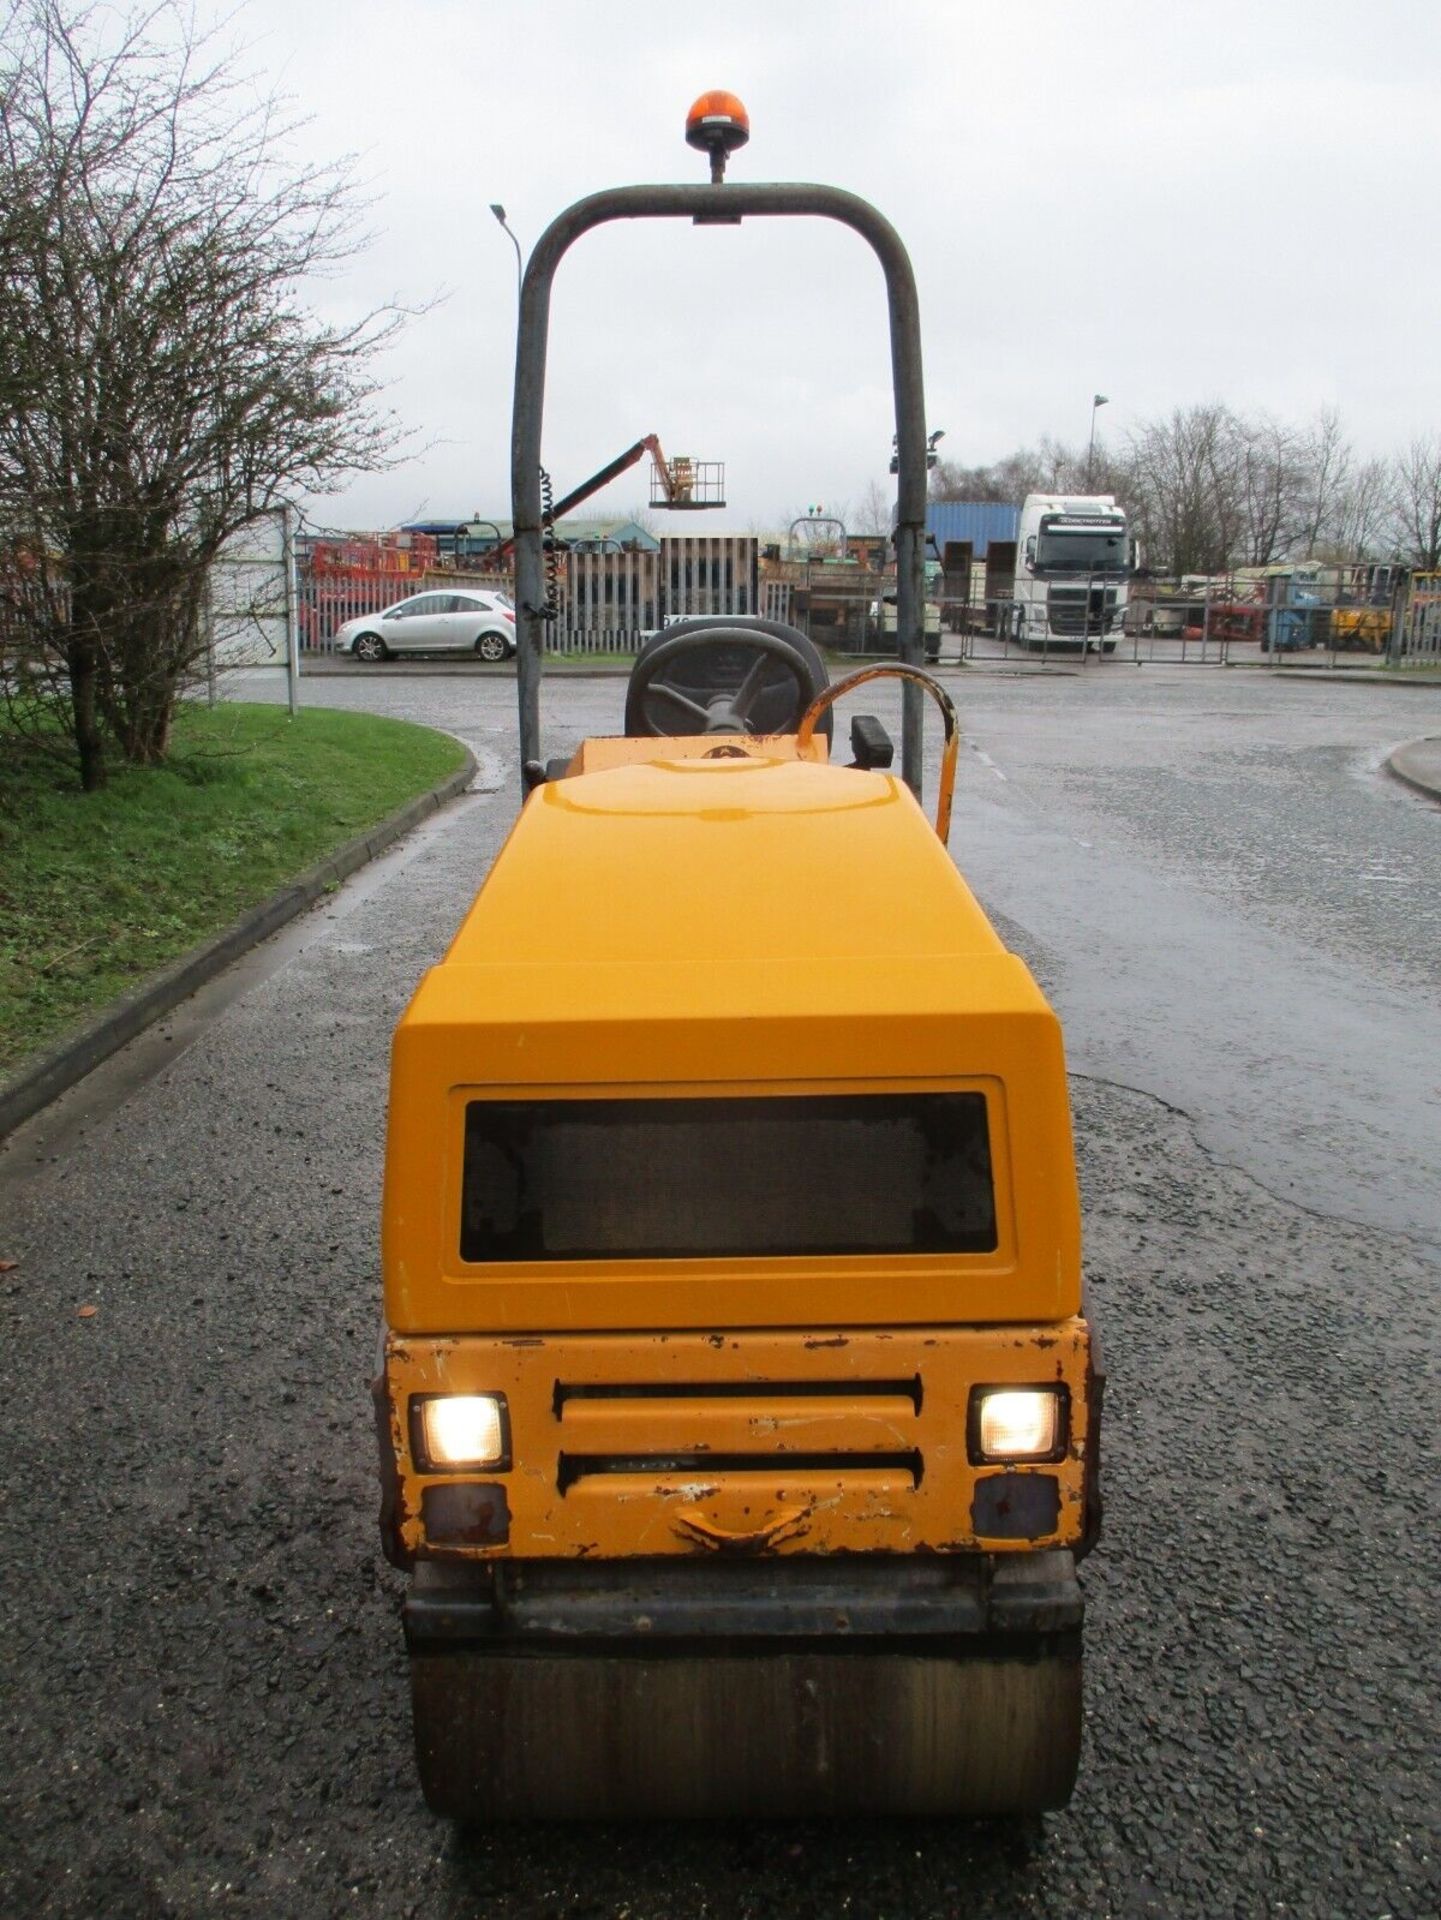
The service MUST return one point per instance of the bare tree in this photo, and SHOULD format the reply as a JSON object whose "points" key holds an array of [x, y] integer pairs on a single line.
{"points": [[1208, 489], [1271, 479], [1326, 464], [647, 520], [1417, 510], [165, 382], [1063, 468], [875, 508], [1050, 467], [950, 480], [1362, 514], [1189, 482]]}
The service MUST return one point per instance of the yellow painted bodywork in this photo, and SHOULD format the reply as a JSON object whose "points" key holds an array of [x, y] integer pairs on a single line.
{"points": [[1361, 629], [603, 751], [667, 924], [773, 1506]]}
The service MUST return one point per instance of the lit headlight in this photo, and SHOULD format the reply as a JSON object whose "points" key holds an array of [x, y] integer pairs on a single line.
{"points": [[461, 1430], [1018, 1423]]}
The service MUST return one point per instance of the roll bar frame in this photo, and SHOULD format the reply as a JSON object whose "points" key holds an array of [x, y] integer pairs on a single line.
{"points": [[718, 204]]}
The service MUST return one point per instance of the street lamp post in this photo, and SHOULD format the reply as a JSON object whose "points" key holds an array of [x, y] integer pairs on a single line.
{"points": [[1098, 400], [499, 213]]}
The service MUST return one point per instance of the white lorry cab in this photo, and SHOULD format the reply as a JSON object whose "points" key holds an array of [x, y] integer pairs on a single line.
{"points": [[1074, 560]]}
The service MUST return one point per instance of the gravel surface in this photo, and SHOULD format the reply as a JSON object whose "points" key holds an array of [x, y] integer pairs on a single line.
{"points": [[204, 1703]]}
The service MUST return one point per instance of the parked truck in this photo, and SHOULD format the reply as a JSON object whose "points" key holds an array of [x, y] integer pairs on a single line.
{"points": [[1074, 559]]}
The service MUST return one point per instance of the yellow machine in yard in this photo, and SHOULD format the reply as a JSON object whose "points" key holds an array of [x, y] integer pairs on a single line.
{"points": [[738, 1416], [1360, 629]]}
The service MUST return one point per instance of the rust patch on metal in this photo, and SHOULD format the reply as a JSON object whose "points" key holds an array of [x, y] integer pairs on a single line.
{"points": [[718, 1539], [394, 1507]]}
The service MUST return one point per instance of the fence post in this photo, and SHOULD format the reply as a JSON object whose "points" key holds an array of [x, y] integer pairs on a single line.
{"points": [[208, 615], [1400, 608], [1206, 621], [292, 623]]}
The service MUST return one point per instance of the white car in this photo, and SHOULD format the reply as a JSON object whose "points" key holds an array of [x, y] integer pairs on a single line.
{"points": [[476, 621]]}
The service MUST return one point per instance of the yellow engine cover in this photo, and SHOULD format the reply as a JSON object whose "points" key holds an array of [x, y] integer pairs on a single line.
{"points": [[694, 928]]}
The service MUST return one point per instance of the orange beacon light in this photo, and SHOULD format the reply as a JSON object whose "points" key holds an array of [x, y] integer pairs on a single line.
{"points": [[717, 124]]}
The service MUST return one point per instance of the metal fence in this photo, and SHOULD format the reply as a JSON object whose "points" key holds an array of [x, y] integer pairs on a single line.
{"points": [[1331, 616], [325, 601], [708, 574], [1417, 637], [608, 602], [1216, 623], [775, 600]]}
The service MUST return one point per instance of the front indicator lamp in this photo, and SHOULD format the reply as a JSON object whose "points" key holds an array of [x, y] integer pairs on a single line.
{"points": [[452, 1431], [1017, 1423]]}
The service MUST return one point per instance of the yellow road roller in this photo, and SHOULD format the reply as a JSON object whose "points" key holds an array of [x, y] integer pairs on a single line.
{"points": [[738, 1415]]}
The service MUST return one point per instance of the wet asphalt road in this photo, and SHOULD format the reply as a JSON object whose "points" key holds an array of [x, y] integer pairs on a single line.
{"points": [[203, 1686]]}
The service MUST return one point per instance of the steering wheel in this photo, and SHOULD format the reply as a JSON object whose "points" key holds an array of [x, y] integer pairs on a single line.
{"points": [[732, 674]]}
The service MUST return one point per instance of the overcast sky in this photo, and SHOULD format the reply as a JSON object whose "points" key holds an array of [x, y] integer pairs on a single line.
{"points": [[1166, 201]]}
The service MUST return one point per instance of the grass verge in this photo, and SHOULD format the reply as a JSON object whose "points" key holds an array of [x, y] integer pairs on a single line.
{"points": [[98, 890]]}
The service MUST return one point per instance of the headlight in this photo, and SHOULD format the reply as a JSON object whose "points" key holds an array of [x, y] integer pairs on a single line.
{"points": [[1017, 1423], [454, 1430]]}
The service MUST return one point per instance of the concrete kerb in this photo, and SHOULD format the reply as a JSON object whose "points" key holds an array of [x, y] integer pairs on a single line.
{"points": [[1425, 681], [54, 1072], [1418, 765]]}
